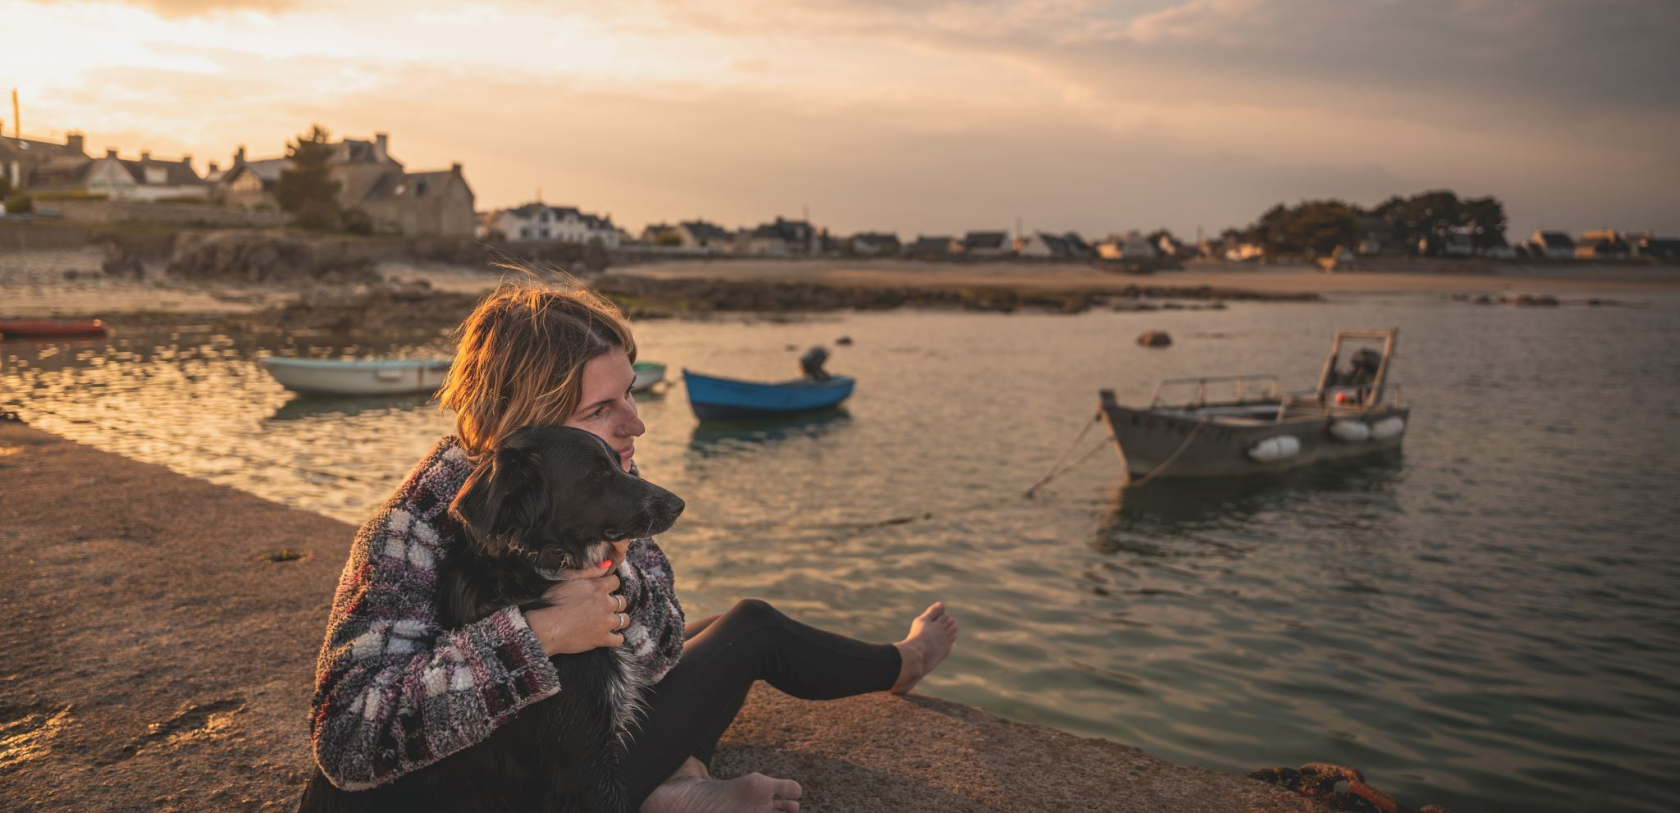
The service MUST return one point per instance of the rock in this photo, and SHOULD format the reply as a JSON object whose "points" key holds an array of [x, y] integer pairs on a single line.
{"points": [[843, 340], [1530, 301], [120, 264], [1484, 299], [265, 258], [1155, 338]]}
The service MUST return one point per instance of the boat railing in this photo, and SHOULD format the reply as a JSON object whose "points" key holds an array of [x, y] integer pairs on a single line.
{"points": [[1240, 383]]}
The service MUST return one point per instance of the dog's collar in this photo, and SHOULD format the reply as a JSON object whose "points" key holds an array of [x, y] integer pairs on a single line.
{"points": [[548, 563]]}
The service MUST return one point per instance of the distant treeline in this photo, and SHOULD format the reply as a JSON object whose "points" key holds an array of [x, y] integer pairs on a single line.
{"points": [[1418, 224]]}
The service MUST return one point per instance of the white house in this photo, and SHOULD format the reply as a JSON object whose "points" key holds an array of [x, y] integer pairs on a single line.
{"points": [[146, 179], [1552, 245], [1044, 246], [565, 224], [1130, 246]]}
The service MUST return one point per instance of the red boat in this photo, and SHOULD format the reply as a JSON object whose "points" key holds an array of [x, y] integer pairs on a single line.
{"points": [[50, 328]]}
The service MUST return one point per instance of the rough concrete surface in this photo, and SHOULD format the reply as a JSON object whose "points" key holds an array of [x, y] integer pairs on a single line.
{"points": [[157, 645]]}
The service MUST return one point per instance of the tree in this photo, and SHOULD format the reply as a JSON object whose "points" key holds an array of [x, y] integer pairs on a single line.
{"points": [[306, 187], [1321, 226], [1486, 219]]}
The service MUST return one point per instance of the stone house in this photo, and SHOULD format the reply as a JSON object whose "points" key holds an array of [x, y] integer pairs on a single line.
{"points": [[42, 165], [371, 180], [148, 179], [701, 235]]}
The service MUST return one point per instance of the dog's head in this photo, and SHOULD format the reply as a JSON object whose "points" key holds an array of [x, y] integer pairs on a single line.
{"points": [[558, 498]]}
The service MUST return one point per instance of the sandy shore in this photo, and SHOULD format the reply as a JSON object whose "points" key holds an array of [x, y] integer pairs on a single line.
{"points": [[68, 282], [1256, 279], [158, 656]]}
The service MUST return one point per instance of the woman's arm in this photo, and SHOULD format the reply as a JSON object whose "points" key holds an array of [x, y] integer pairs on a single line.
{"points": [[394, 691], [655, 635]]}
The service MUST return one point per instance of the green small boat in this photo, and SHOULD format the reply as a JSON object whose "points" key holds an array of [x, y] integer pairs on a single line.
{"points": [[648, 373]]}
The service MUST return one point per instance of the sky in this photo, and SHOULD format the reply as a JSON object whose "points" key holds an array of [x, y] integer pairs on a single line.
{"points": [[913, 116]]}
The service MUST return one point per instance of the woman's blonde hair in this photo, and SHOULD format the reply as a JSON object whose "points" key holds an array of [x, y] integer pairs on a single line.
{"points": [[519, 360]]}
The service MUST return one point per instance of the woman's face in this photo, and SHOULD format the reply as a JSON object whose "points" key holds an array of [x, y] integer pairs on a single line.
{"points": [[607, 409]]}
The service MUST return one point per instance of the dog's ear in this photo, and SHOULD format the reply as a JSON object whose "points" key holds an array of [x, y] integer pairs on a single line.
{"points": [[495, 504]]}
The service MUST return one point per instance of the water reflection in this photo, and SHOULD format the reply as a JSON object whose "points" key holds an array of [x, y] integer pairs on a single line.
{"points": [[327, 406], [1176, 506], [712, 438]]}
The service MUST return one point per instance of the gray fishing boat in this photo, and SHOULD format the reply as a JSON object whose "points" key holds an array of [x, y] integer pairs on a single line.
{"points": [[1353, 412]]}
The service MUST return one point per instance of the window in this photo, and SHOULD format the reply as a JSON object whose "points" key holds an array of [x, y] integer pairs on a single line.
{"points": [[157, 175]]}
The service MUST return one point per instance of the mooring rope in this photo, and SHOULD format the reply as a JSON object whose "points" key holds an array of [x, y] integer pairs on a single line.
{"points": [[1056, 470], [1158, 470]]}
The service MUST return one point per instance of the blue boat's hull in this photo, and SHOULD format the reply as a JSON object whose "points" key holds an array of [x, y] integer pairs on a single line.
{"points": [[714, 398]]}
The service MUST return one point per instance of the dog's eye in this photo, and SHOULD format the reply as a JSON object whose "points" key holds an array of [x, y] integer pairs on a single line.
{"points": [[612, 536]]}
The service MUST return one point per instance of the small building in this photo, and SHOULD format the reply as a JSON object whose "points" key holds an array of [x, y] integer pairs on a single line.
{"points": [[414, 204], [1130, 246], [1044, 246], [1457, 242], [1243, 251], [1077, 247], [1666, 249], [780, 238], [987, 244], [1376, 236], [701, 235], [248, 184], [875, 244], [937, 247], [1602, 244], [1551, 245]]}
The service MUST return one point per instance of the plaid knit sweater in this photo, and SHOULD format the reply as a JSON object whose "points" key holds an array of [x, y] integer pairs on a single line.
{"points": [[394, 691]]}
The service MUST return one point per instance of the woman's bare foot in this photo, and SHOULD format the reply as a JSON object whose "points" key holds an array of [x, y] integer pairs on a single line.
{"points": [[693, 790], [931, 637]]}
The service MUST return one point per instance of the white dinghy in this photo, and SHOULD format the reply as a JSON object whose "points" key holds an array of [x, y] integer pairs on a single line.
{"points": [[357, 377]]}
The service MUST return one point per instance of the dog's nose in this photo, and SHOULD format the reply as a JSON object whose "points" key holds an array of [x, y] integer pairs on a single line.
{"points": [[673, 504]]}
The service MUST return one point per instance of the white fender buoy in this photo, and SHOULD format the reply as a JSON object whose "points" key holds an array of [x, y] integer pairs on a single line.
{"points": [[1350, 431], [1281, 447], [1386, 428]]}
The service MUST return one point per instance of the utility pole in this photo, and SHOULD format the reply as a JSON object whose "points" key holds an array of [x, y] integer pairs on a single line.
{"points": [[17, 120]]}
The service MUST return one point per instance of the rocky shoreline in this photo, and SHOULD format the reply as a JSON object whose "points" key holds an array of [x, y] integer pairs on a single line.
{"points": [[161, 633]]}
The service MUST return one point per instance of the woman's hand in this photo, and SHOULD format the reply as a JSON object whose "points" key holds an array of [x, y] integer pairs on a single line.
{"points": [[583, 614]]}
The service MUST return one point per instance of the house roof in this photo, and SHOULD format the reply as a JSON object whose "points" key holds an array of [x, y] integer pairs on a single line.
{"points": [[176, 173], [1077, 243], [410, 185], [875, 238], [937, 243], [355, 151], [60, 170], [705, 231], [1056, 243], [20, 149], [1556, 239], [985, 239]]}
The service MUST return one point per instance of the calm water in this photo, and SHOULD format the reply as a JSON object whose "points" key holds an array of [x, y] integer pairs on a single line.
{"points": [[1490, 621]]}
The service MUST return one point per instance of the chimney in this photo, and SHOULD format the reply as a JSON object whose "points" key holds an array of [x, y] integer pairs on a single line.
{"points": [[186, 158], [239, 155], [455, 167], [73, 141], [212, 169], [110, 152], [381, 146], [145, 155]]}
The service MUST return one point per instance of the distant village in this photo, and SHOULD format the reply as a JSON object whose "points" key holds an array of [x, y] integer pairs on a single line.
{"points": [[44, 179]]}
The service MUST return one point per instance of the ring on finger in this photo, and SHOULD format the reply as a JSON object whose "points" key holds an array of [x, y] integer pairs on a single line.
{"points": [[623, 621], [622, 603]]}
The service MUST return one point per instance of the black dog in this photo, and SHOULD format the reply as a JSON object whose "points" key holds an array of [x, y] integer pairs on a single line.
{"points": [[550, 499]]}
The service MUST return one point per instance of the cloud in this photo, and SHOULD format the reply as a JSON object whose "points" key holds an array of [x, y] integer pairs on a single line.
{"points": [[176, 9]]}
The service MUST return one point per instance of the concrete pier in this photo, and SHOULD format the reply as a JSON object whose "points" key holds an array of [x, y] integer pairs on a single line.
{"points": [[158, 638]]}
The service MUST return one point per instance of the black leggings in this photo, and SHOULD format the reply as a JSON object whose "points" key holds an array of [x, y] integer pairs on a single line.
{"points": [[689, 710]]}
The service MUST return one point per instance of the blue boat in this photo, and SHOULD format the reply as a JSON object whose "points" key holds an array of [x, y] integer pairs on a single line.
{"points": [[713, 397]]}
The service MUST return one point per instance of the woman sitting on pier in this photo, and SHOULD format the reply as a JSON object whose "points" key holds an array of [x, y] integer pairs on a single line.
{"points": [[396, 692]]}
